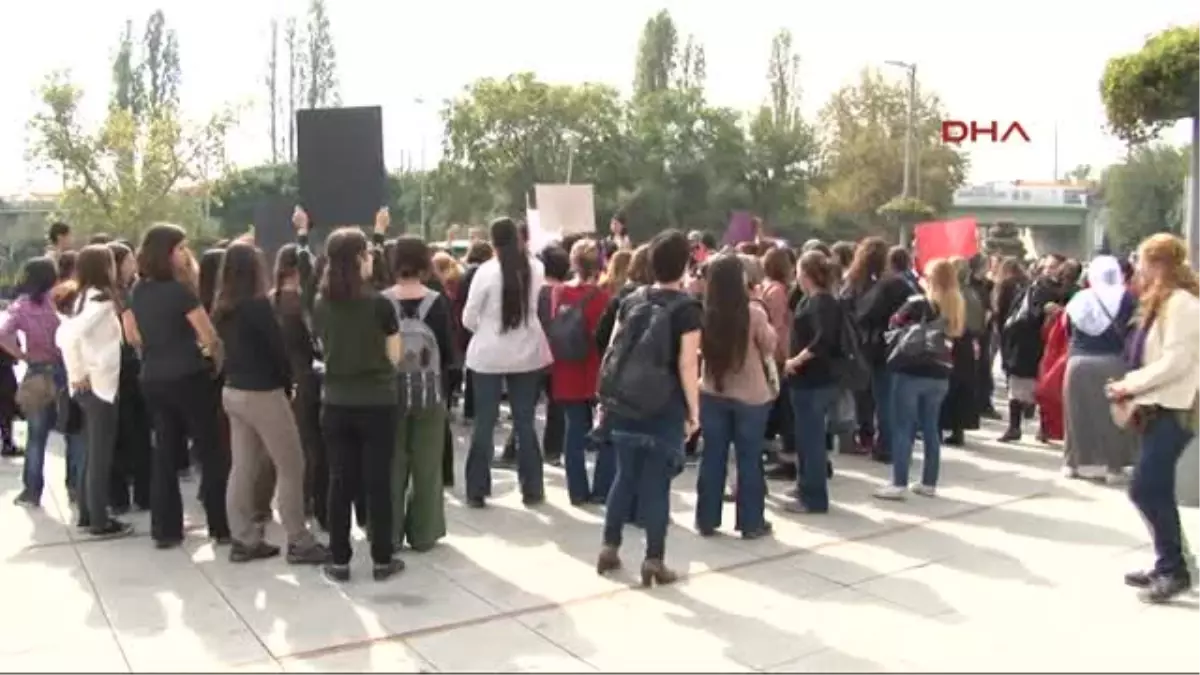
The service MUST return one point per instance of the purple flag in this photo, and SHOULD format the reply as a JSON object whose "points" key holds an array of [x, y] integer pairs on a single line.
{"points": [[741, 229]]}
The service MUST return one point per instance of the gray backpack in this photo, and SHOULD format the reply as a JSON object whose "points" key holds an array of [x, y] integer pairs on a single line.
{"points": [[419, 373]]}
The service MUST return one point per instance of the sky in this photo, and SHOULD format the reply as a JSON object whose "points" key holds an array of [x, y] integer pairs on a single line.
{"points": [[1036, 62]]}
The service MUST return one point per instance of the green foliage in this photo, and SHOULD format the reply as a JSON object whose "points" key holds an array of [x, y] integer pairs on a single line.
{"points": [[320, 67], [907, 210], [1147, 91], [862, 167], [130, 172], [1004, 239], [1144, 194]]}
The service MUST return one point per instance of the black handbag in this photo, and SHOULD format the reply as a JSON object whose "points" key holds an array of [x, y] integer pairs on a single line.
{"points": [[923, 344]]}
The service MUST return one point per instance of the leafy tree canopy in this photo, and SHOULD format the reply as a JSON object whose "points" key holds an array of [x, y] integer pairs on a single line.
{"points": [[1148, 90]]}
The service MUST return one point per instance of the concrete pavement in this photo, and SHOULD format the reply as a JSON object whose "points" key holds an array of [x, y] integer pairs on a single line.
{"points": [[1011, 568]]}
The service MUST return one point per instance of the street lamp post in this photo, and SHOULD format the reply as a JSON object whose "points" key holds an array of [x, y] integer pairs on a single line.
{"points": [[424, 221], [905, 190]]}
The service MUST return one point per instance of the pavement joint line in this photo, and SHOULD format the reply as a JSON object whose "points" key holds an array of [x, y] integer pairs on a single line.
{"points": [[403, 636]]}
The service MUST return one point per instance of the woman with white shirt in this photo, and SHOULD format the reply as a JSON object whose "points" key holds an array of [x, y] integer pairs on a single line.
{"points": [[90, 341], [508, 352], [1162, 389]]}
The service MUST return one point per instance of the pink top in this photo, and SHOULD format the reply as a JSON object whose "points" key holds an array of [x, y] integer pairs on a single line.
{"points": [[38, 321], [775, 297]]}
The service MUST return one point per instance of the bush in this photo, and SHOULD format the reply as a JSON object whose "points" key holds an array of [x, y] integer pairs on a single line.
{"points": [[1149, 90]]}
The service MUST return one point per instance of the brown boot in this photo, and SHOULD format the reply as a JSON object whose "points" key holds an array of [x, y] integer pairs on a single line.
{"points": [[608, 560], [655, 572]]}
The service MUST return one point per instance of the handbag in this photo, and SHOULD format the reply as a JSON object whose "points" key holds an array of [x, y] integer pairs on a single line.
{"points": [[922, 344], [35, 393], [1128, 415]]}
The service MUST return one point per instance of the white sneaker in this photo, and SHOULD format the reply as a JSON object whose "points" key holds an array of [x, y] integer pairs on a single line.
{"points": [[924, 490], [890, 492], [1115, 478], [1070, 472]]}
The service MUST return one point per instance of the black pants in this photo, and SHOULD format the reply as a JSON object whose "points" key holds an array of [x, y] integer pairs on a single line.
{"points": [[360, 441], [985, 385], [131, 461], [100, 434], [306, 408], [186, 408]]}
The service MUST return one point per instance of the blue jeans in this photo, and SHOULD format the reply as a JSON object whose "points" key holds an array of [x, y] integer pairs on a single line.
{"points": [[917, 405], [1153, 489], [811, 407], [576, 437], [883, 389], [38, 428], [725, 421], [522, 391], [649, 454]]}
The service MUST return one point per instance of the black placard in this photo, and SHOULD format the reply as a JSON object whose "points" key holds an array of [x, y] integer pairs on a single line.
{"points": [[339, 153]]}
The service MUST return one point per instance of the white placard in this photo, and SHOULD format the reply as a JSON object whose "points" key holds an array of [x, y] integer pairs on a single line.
{"points": [[566, 209]]}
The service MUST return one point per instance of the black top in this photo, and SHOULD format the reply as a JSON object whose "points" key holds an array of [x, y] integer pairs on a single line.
{"points": [[169, 344], [353, 336], [817, 326], [297, 336], [875, 308], [256, 357], [608, 319]]}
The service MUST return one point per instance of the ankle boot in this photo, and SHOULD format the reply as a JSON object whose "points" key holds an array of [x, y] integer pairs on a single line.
{"points": [[608, 560], [654, 572], [1016, 413]]}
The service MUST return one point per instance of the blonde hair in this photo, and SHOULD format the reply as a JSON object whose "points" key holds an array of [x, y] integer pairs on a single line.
{"points": [[1168, 254], [639, 266], [585, 259], [446, 267], [617, 271], [945, 295]]}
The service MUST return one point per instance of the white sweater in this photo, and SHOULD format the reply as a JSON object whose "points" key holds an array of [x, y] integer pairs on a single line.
{"points": [[90, 343], [493, 350], [1168, 376]]}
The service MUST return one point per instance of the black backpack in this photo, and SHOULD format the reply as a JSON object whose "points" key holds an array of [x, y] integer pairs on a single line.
{"points": [[851, 369], [637, 378], [567, 330]]}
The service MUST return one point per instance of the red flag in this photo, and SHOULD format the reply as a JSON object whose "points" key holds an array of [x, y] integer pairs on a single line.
{"points": [[944, 239]]}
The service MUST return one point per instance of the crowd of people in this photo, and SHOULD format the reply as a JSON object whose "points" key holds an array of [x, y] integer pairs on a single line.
{"points": [[322, 389]]}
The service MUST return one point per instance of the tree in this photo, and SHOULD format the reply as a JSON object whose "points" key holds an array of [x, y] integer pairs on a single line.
{"points": [[237, 194], [272, 82], [1004, 239], [693, 68], [160, 65], [1144, 194], [656, 58], [321, 89], [513, 133], [783, 147], [127, 92], [1149, 90], [133, 170], [292, 40], [863, 128], [1082, 173]]}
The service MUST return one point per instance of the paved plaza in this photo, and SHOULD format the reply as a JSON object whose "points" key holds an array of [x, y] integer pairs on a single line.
{"points": [[1011, 568]]}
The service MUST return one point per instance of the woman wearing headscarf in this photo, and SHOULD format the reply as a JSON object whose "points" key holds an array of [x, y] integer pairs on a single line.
{"points": [[960, 407], [1098, 319]]}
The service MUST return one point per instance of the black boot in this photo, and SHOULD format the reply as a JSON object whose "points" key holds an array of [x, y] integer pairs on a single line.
{"points": [[1016, 413]]}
